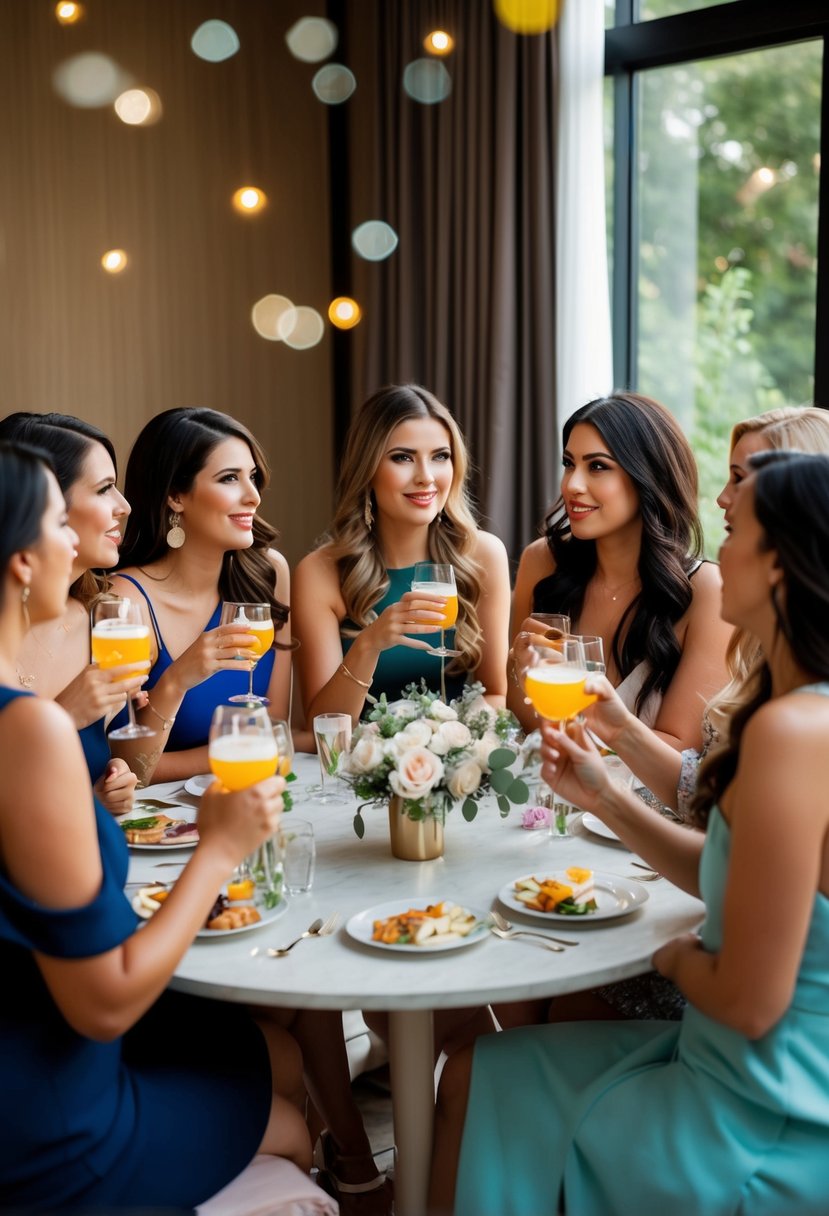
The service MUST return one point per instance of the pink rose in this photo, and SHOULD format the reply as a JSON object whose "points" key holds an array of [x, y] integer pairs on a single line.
{"points": [[535, 817], [418, 772]]}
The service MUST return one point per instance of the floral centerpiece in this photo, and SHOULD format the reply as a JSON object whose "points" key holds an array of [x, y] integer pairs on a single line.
{"points": [[430, 755]]}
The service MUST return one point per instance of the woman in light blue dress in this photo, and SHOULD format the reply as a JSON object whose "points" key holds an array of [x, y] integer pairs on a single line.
{"points": [[727, 1112]]}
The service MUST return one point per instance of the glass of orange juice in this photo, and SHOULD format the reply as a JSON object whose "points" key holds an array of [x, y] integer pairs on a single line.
{"points": [[255, 619], [242, 749], [438, 579], [554, 680], [120, 635]]}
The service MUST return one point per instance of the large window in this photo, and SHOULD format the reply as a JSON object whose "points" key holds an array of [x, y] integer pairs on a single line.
{"points": [[717, 294]]}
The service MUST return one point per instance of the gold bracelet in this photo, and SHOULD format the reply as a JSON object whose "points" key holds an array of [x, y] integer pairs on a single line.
{"points": [[351, 676], [165, 722]]}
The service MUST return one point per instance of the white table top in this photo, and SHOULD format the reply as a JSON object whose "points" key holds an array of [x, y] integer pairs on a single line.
{"points": [[353, 874]]}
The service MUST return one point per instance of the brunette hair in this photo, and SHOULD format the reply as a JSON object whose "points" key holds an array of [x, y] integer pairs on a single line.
{"points": [[354, 546], [67, 440], [24, 491], [783, 483], [648, 443], [165, 459]]}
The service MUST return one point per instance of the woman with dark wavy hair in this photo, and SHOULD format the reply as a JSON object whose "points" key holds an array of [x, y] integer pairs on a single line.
{"points": [[732, 1104], [620, 556], [194, 539]]}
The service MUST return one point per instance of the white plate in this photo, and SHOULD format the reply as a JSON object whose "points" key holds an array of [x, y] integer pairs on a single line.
{"points": [[187, 813], [268, 915], [361, 926], [594, 824], [197, 785], [615, 896]]}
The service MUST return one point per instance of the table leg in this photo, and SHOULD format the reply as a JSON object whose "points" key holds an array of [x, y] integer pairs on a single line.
{"points": [[411, 1060]]}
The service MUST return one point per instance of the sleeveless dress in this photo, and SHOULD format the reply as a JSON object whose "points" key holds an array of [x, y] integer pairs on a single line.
{"points": [[644, 1118], [95, 746], [164, 1117], [400, 665], [192, 725]]}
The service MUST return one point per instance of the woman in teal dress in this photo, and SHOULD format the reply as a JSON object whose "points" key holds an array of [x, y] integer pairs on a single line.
{"points": [[401, 499], [727, 1112], [115, 1095]]}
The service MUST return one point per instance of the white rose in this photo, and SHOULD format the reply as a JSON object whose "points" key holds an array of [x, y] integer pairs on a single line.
{"points": [[479, 706], [443, 713], [366, 754], [417, 734], [418, 772], [465, 779], [403, 709], [448, 736], [484, 747]]}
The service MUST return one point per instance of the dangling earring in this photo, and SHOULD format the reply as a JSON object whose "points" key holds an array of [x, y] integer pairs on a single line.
{"points": [[24, 602], [176, 536], [368, 514]]}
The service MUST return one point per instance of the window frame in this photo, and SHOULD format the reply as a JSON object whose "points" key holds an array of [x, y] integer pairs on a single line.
{"points": [[726, 29]]}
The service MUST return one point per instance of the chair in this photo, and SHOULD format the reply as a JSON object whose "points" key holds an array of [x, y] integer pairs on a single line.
{"points": [[270, 1186]]}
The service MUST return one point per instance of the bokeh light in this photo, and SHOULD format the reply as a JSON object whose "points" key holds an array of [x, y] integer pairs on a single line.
{"points": [[312, 39], [344, 312], [114, 261], [68, 13], [438, 42], [334, 84], [215, 41], [138, 107], [374, 240], [249, 199], [427, 81], [301, 327], [89, 80], [527, 16], [267, 313]]}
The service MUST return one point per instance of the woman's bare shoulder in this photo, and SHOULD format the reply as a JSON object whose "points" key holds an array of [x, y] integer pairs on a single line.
{"points": [[279, 563], [488, 547], [536, 560]]}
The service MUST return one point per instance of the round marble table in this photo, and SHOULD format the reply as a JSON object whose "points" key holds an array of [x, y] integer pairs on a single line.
{"points": [[340, 973]]}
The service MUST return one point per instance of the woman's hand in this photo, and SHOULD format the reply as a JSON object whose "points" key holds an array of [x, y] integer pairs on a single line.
{"points": [[100, 693], [416, 612], [608, 717], [115, 788], [238, 821], [225, 648], [572, 765]]}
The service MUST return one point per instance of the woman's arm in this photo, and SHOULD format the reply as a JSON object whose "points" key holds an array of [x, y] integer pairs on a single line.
{"points": [[493, 616], [779, 814], [702, 669], [51, 854], [536, 563]]}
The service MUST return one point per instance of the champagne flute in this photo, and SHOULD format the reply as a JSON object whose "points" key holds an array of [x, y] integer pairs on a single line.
{"points": [[255, 619], [438, 578], [241, 751], [119, 635], [333, 735]]}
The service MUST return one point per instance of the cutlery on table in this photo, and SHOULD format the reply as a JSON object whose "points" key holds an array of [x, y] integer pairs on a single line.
{"points": [[650, 875], [319, 928], [505, 929]]}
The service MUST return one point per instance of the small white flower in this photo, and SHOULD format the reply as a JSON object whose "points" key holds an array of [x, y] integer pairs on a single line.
{"points": [[403, 709], [366, 754], [443, 713], [418, 772], [417, 733], [483, 747], [478, 707], [465, 779], [449, 736]]}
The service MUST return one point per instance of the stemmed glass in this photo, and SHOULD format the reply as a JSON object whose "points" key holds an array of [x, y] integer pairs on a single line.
{"points": [[241, 751], [556, 624], [333, 736], [255, 619], [438, 578], [119, 635]]}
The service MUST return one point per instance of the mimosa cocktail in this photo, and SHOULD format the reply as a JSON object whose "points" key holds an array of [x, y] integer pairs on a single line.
{"points": [[242, 760], [557, 690], [120, 635], [255, 620], [438, 579]]}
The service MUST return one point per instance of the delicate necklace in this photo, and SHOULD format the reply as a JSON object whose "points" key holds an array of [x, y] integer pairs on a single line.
{"points": [[614, 592], [26, 681]]}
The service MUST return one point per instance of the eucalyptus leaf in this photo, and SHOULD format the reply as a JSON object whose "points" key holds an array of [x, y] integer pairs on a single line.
{"points": [[503, 804], [359, 826], [469, 809], [501, 757], [518, 792], [501, 780]]}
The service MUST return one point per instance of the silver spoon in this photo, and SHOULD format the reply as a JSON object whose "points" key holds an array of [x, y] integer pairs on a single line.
{"points": [[319, 928], [505, 929]]}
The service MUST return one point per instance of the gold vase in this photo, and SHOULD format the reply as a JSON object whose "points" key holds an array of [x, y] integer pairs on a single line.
{"points": [[414, 839]]}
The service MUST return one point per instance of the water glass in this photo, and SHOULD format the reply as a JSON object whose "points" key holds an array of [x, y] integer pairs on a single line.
{"points": [[332, 733], [298, 855], [560, 812]]}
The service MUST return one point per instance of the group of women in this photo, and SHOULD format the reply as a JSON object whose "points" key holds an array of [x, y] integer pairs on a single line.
{"points": [[731, 673]]}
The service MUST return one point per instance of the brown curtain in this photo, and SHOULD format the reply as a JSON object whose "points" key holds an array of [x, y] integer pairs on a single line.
{"points": [[466, 303]]}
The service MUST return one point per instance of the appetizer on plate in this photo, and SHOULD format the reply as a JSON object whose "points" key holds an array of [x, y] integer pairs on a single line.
{"points": [[433, 925], [571, 894], [159, 829], [228, 912]]}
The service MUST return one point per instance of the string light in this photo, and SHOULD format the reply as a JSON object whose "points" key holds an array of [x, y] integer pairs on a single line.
{"points": [[438, 42], [138, 107], [344, 312], [249, 199], [114, 261], [68, 13]]}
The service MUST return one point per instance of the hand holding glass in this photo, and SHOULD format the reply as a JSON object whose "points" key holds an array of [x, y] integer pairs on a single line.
{"points": [[554, 680], [255, 619], [119, 636], [438, 578]]}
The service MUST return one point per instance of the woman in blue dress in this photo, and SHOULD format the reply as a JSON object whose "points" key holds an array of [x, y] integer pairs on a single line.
{"points": [[727, 1112], [114, 1095], [55, 659], [194, 538], [401, 499]]}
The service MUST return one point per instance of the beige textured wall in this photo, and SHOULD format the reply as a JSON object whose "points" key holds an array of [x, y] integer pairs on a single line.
{"points": [[173, 328]]}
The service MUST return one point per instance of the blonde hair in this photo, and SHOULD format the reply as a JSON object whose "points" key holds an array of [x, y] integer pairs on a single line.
{"points": [[354, 546]]}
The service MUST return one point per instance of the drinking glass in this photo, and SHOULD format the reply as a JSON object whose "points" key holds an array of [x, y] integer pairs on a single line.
{"points": [[556, 624], [255, 619], [119, 635], [298, 853], [560, 812], [554, 680], [438, 578], [284, 746], [333, 736], [242, 749], [593, 647]]}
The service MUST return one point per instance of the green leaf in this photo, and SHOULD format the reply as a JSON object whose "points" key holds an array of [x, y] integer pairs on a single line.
{"points": [[501, 757], [518, 792], [503, 804], [501, 780], [469, 809], [287, 802], [359, 826]]}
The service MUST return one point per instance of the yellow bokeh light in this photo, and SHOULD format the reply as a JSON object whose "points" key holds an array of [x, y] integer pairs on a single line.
{"points": [[68, 13], [344, 312], [138, 107], [249, 199], [527, 16], [439, 43], [766, 177], [114, 261]]}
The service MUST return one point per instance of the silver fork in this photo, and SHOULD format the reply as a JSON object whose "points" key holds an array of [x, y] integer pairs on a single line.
{"points": [[504, 928], [649, 874], [319, 928]]}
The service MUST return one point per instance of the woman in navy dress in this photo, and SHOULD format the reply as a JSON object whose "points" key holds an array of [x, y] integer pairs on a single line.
{"points": [[113, 1096]]}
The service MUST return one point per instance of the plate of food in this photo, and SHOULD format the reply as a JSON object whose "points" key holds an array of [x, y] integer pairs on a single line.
{"points": [[151, 829], [227, 916], [575, 894], [594, 824], [197, 785], [416, 927]]}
